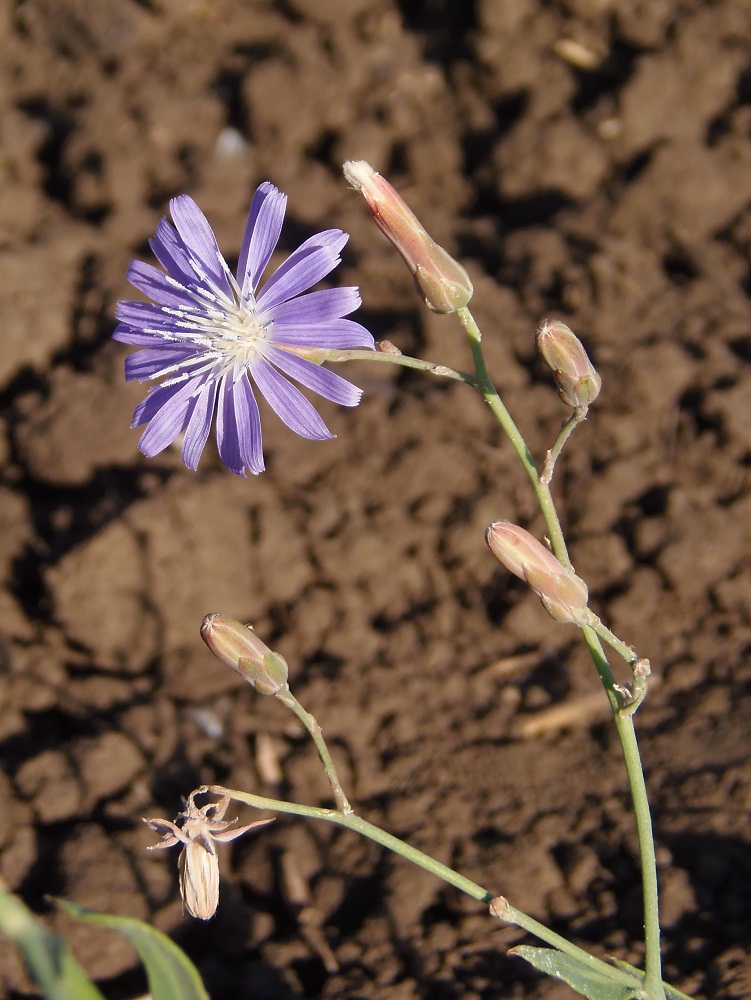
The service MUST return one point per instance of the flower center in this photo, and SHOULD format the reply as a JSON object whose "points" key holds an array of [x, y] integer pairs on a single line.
{"points": [[238, 332]]}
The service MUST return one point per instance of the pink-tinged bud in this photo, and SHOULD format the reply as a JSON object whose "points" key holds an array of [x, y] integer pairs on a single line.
{"points": [[240, 648], [575, 375], [563, 594], [442, 280]]}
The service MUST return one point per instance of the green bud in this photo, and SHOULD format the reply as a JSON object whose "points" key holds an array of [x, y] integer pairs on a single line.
{"points": [[240, 648]]}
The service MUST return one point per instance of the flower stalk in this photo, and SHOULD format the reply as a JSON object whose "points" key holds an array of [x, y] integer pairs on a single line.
{"points": [[623, 717]]}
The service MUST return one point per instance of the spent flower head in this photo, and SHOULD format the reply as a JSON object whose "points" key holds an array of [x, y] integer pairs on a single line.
{"points": [[198, 830], [442, 281], [211, 337]]}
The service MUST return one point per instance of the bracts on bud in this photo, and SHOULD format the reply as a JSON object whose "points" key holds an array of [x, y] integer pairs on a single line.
{"points": [[239, 647], [441, 280], [576, 377], [563, 594]]}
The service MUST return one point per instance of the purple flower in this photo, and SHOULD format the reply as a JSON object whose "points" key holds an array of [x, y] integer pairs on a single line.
{"points": [[211, 337]]}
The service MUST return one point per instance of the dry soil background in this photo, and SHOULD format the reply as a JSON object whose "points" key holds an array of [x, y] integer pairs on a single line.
{"points": [[588, 159]]}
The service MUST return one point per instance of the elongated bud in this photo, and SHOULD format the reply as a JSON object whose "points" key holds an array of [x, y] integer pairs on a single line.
{"points": [[240, 648], [575, 375], [563, 594], [442, 280]]}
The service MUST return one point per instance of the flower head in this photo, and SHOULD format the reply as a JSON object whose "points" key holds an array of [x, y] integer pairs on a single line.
{"points": [[211, 337], [200, 827]]}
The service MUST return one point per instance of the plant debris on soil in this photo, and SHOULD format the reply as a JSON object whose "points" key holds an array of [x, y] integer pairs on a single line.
{"points": [[586, 160]]}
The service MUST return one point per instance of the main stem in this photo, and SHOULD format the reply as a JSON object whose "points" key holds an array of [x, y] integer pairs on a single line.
{"points": [[624, 722], [504, 418], [653, 959]]}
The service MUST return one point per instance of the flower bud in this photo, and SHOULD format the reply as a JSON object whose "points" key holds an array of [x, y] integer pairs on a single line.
{"points": [[240, 648], [563, 594], [442, 280], [575, 375]]}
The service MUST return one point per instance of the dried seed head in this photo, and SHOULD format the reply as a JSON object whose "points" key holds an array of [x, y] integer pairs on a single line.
{"points": [[239, 647], [200, 827], [563, 594], [199, 878], [576, 377], [442, 280]]}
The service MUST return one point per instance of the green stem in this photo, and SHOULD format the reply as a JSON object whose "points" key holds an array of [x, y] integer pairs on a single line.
{"points": [[310, 722], [624, 725], [569, 425], [504, 418], [615, 643], [320, 354], [355, 823], [624, 721], [653, 961]]}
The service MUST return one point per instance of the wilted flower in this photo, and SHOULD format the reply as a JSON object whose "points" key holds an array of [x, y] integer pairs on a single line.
{"points": [[239, 647], [199, 828], [563, 594], [211, 336], [442, 280]]}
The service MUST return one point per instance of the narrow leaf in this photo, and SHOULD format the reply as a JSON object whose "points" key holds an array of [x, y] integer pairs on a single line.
{"points": [[595, 984], [170, 972], [46, 955]]}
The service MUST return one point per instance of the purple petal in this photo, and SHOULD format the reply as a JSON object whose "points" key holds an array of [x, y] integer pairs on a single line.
{"points": [[199, 425], [151, 318], [226, 429], [320, 380], [326, 238], [170, 416], [127, 335], [150, 405], [171, 253], [313, 260], [261, 235], [146, 364], [156, 284], [198, 237], [316, 307], [339, 334], [248, 425], [288, 403]]}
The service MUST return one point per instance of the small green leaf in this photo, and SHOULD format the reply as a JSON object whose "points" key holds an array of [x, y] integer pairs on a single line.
{"points": [[593, 983], [171, 974], [48, 959]]}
